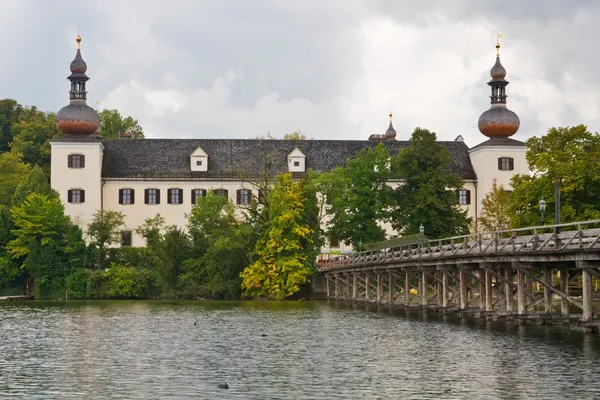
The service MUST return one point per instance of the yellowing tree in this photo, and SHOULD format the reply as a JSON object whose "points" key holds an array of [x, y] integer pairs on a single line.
{"points": [[494, 210], [283, 264]]}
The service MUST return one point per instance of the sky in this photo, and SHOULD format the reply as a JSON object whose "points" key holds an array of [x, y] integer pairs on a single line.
{"points": [[331, 68]]}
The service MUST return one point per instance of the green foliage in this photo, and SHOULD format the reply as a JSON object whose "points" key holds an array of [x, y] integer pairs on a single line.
{"points": [[296, 135], [35, 182], [31, 133], [9, 114], [14, 171], [105, 229], [113, 124], [152, 230], [123, 282], [494, 210], [48, 268], [138, 257], [356, 197], [282, 266], [569, 154], [429, 193], [172, 250], [79, 284]]}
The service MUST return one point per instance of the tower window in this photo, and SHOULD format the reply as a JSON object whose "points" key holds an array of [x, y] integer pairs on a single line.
{"points": [[76, 196], [296, 163], [197, 193], [199, 162], [175, 196], [152, 196], [506, 164], [126, 196], [76, 161], [125, 238], [243, 197], [464, 197]]}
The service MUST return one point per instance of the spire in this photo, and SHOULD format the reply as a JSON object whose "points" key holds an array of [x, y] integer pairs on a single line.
{"points": [[391, 132], [498, 121]]}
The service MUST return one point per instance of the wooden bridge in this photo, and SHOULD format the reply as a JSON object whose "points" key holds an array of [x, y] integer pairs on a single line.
{"points": [[513, 274]]}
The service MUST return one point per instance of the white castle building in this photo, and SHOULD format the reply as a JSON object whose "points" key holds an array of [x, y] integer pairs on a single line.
{"points": [[142, 178]]}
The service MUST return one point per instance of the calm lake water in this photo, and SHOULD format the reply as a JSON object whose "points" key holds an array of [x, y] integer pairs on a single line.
{"points": [[288, 350]]}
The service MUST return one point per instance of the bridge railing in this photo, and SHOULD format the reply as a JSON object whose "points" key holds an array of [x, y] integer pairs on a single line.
{"points": [[535, 239]]}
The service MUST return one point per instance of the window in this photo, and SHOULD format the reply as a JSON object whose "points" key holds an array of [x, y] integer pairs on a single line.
{"points": [[296, 163], [196, 193], [175, 196], [464, 197], [152, 196], [506, 164], [126, 196], [125, 238], [243, 197], [334, 241], [221, 192], [199, 163], [76, 161], [262, 196], [76, 196]]}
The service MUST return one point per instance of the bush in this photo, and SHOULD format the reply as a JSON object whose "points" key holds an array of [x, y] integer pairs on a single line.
{"points": [[138, 257], [79, 284], [126, 282]]}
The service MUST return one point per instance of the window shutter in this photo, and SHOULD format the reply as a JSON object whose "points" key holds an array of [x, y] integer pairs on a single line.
{"points": [[511, 163], [82, 196], [132, 191], [145, 196], [239, 197], [82, 161], [500, 164], [157, 196], [120, 196], [180, 196], [69, 195], [70, 161], [193, 196], [169, 196], [468, 197]]}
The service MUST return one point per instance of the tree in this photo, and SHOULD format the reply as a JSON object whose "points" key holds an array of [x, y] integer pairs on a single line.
{"points": [[282, 266], [113, 125], [35, 182], [9, 113], [296, 135], [13, 173], [356, 197], [31, 133], [494, 210], [105, 229], [428, 195], [566, 154], [152, 230]]}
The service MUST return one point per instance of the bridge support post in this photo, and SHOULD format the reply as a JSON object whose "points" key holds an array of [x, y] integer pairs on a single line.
{"points": [[489, 300], [440, 291], [424, 289], [406, 287], [444, 289], [336, 287], [367, 288], [354, 286], [587, 290], [548, 293], [379, 288], [508, 287], [564, 287], [327, 283], [392, 288], [482, 289], [464, 289], [521, 299]]}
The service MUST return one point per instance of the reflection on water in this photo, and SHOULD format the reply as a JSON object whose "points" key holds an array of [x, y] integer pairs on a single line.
{"points": [[289, 350]]}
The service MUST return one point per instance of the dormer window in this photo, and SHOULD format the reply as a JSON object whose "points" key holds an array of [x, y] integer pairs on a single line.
{"points": [[296, 161], [199, 160]]}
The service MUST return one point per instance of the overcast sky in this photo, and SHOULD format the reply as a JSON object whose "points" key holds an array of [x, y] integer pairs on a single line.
{"points": [[334, 69]]}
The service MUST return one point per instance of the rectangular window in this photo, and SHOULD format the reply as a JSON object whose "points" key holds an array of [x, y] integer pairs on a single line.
{"points": [[126, 196], [506, 164], [221, 192], [175, 196], [152, 196], [197, 193], [243, 197], [125, 238], [76, 161], [464, 197], [199, 162], [296, 163], [334, 241], [76, 196]]}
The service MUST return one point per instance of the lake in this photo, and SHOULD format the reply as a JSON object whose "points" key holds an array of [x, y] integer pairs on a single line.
{"points": [[283, 350]]}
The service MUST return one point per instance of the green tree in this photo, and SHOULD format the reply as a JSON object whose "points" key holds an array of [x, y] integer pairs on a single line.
{"points": [[429, 193], [282, 267], [8, 268], [31, 133], [35, 182], [173, 249], [296, 135], [9, 113], [152, 230], [113, 125], [569, 154], [494, 210], [104, 230], [356, 197], [13, 173]]}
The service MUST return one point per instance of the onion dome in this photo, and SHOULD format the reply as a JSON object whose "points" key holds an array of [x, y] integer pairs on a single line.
{"points": [[498, 121], [391, 132], [78, 118]]}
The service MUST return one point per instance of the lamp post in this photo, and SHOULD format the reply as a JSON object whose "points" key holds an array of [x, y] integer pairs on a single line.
{"points": [[421, 229], [542, 205]]}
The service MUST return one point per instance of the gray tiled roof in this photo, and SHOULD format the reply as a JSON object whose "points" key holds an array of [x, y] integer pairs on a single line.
{"points": [[230, 158], [500, 142]]}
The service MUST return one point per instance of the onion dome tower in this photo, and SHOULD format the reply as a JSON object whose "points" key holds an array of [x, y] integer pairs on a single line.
{"points": [[78, 118], [498, 122], [390, 134]]}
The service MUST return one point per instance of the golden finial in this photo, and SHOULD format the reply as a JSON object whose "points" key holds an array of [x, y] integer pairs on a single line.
{"points": [[498, 44], [78, 39], [391, 116], [97, 102]]}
